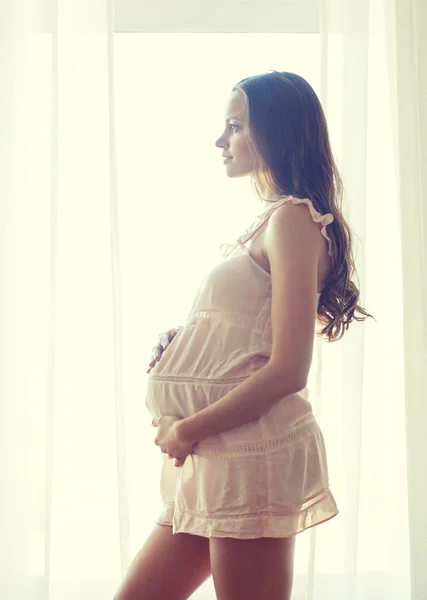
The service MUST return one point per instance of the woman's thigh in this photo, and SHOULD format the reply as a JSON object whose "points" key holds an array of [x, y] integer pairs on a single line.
{"points": [[168, 567], [252, 569]]}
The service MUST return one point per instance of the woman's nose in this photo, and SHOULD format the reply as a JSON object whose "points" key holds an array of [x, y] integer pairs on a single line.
{"points": [[220, 144]]}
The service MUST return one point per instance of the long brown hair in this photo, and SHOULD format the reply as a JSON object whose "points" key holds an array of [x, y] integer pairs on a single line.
{"points": [[288, 135]]}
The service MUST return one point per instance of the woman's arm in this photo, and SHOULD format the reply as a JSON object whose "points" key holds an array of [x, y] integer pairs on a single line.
{"points": [[249, 400], [293, 243]]}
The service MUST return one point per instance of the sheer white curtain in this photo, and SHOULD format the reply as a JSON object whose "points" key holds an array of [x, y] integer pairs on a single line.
{"points": [[113, 205]]}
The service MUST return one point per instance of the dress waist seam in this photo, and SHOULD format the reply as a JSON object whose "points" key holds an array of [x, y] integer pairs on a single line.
{"points": [[216, 314], [200, 380]]}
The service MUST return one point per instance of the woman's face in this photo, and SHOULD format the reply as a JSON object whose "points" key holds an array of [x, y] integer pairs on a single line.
{"points": [[233, 139]]}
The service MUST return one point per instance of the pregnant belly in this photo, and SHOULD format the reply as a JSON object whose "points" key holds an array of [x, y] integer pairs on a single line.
{"points": [[182, 398]]}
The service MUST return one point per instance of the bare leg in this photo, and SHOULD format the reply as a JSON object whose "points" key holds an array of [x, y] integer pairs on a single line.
{"points": [[252, 569], [168, 567]]}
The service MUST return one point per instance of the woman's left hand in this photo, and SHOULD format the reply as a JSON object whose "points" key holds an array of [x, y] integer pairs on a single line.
{"points": [[169, 441]]}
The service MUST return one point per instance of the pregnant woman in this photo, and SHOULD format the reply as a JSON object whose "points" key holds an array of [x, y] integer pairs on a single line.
{"points": [[245, 467]]}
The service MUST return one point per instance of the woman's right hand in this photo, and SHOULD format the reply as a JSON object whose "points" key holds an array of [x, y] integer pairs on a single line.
{"points": [[164, 340]]}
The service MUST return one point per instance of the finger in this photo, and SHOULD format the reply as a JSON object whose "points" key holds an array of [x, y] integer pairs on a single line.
{"points": [[163, 340], [175, 331], [169, 338], [150, 365], [157, 352]]}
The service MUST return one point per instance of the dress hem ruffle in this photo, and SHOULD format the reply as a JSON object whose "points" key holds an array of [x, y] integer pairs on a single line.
{"points": [[269, 523]]}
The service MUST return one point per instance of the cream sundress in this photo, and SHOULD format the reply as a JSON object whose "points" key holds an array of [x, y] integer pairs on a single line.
{"points": [[267, 477]]}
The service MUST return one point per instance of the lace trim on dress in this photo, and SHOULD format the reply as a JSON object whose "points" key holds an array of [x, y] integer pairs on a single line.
{"points": [[269, 445], [227, 248], [221, 315]]}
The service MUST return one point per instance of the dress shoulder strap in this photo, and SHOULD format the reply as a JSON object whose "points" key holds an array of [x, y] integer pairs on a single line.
{"points": [[264, 217], [317, 217]]}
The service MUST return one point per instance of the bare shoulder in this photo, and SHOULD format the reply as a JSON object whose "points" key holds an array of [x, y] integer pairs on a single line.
{"points": [[291, 225]]}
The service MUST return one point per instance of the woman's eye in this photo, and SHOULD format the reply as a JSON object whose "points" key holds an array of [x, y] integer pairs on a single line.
{"points": [[232, 125]]}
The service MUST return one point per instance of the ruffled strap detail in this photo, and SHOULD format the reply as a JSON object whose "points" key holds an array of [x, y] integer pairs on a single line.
{"points": [[325, 220]]}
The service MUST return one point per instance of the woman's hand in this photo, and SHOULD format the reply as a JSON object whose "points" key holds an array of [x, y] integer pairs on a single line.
{"points": [[164, 341], [169, 441]]}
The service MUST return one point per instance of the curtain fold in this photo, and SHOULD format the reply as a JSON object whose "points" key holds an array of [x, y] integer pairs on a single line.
{"points": [[360, 388], [77, 463], [411, 97], [63, 462]]}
